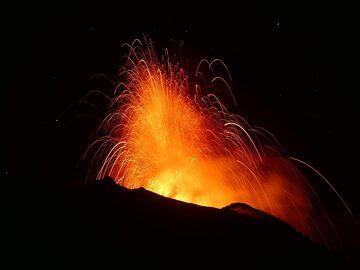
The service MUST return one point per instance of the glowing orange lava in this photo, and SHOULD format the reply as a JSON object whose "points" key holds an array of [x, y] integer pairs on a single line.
{"points": [[162, 134]]}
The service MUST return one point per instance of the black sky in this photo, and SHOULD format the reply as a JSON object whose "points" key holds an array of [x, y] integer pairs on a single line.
{"points": [[291, 76]]}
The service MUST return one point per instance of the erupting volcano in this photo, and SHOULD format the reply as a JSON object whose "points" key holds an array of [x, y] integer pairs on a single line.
{"points": [[177, 139]]}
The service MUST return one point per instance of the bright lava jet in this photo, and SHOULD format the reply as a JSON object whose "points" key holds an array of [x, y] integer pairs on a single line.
{"points": [[172, 138]]}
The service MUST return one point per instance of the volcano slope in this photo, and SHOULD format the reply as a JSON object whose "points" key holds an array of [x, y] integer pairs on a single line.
{"points": [[104, 221]]}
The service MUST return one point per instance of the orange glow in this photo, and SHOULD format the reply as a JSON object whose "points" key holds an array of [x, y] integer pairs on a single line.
{"points": [[164, 135]]}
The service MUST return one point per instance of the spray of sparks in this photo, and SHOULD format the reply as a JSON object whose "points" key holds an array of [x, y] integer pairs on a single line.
{"points": [[165, 135]]}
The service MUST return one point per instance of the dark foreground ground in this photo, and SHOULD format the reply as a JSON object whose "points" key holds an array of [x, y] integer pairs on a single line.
{"points": [[106, 223]]}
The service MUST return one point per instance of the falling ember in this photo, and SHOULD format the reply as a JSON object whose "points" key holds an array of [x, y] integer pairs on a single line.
{"points": [[164, 135]]}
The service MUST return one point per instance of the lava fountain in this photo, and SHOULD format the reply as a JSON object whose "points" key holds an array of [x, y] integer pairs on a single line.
{"points": [[165, 135]]}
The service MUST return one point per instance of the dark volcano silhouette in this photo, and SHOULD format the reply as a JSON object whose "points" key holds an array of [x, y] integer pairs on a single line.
{"points": [[104, 221]]}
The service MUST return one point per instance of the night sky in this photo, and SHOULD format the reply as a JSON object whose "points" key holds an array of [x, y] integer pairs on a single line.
{"points": [[291, 76]]}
